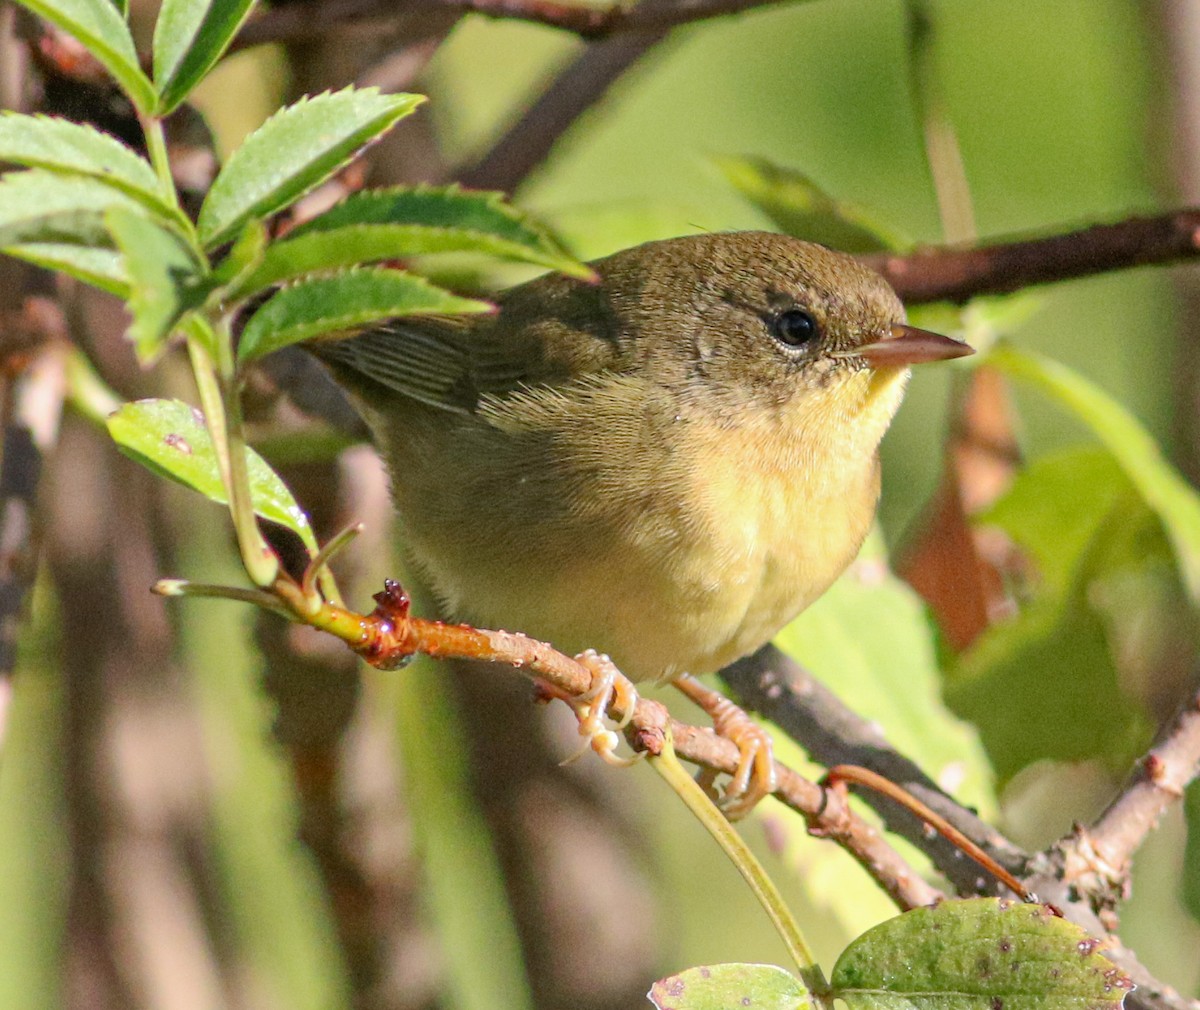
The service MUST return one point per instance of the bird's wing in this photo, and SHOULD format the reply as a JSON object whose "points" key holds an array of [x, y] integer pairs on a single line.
{"points": [[426, 360], [547, 333]]}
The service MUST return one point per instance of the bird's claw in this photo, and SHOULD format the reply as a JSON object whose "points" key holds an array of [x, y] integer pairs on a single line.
{"points": [[609, 686], [754, 778]]}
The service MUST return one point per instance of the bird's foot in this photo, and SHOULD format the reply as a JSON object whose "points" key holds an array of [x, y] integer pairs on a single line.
{"points": [[754, 778], [609, 687]]}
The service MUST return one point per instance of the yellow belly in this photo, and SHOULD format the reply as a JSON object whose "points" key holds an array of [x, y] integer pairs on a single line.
{"points": [[673, 550]]}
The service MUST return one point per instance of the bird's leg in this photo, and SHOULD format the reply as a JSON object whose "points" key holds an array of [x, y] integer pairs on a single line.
{"points": [[754, 778], [609, 685]]}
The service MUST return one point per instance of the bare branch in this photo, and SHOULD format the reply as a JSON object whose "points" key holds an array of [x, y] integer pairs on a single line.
{"points": [[527, 143], [296, 22], [1099, 857], [957, 274], [777, 687]]}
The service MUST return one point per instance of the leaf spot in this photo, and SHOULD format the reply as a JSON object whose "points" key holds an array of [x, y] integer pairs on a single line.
{"points": [[997, 1003], [177, 441], [1087, 947]]}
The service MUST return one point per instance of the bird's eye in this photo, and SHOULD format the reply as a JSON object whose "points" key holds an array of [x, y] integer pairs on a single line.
{"points": [[794, 327]]}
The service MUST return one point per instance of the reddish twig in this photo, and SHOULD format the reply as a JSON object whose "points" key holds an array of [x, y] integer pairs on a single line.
{"points": [[840, 776], [390, 636], [957, 274]]}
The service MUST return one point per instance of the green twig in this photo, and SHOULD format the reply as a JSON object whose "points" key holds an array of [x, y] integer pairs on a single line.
{"points": [[667, 765], [222, 414]]}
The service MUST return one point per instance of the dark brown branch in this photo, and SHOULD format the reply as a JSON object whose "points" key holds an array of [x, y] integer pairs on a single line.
{"points": [[527, 143], [779, 688], [296, 22], [957, 274]]}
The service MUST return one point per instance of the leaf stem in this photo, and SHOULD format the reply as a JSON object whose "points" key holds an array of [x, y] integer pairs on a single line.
{"points": [[217, 385], [156, 147], [668, 767]]}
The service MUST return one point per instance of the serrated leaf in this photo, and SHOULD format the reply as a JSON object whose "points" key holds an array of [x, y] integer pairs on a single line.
{"points": [[165, 278], [296, 149], [101, 28], [396, 223], [42, 206], [979, 954], [63, 146], [871, 640], [243, 258], [1045, 684], [102, 268], [330, 304], [189, 38], [724, 986], [801, 208], [1160, 484], [169, 437]]}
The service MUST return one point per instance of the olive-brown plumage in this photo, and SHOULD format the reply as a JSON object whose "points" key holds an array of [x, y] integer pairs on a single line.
{"points": [[667, 465]]}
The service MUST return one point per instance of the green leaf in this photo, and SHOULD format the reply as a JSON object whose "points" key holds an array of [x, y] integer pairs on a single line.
{"points": [[980, 954], [350, 300], [62, 146], [1045, 683], [99, 25], [296, 149], [102, 268], [189, 37], [801, 208], [1159, 483], [395, 223], [169, 437], [243, 258], [41, 206], [164, 275], [871, 640], [723, 986]]}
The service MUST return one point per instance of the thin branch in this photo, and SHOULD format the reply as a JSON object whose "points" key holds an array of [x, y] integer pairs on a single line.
{"points": [[777, 687], [527, 143], [1100, 855], [957, 274], [389, 636], [296, 22]]}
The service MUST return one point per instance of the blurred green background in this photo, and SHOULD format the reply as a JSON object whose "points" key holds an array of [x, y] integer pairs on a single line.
{"points": [[1065, 114]]}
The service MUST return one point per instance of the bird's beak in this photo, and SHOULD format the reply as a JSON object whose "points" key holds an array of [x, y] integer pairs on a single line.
{"points": [[907, 345]]}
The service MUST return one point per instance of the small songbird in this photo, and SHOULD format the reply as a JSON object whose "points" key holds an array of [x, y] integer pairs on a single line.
{"points": [[666, 465]]}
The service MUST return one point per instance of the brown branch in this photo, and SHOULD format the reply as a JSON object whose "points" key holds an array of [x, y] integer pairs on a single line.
{"points": [[777, 687], [296, 22], [1097, 859], [528, 142], [957, 274], [390, 636]]}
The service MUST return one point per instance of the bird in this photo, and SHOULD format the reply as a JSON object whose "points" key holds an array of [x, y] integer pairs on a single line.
{"points": [[656, 469]]}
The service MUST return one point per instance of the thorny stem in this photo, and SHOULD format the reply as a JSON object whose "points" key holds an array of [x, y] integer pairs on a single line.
{"points": [[667, 765]]}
